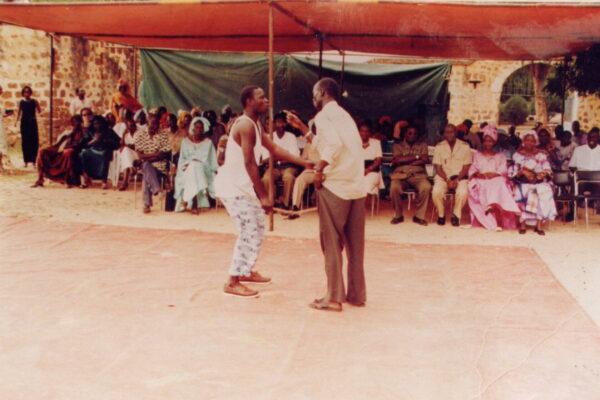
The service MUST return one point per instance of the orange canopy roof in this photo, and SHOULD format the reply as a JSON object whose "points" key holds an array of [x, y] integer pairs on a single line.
{"points": [[517, 31]]}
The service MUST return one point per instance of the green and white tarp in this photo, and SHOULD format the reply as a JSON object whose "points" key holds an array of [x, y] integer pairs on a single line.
{"points": [[181, 80]]}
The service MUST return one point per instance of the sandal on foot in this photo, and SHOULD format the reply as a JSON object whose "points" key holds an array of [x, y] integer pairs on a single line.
{"points": [[522, 231], [319, 304], [37, 184], [539, 232]]}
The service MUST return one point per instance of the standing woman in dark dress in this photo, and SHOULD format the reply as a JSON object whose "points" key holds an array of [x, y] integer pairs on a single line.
{"points": [[29, 128]]}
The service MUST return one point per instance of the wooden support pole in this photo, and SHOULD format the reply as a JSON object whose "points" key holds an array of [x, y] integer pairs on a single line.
{"points": [[271, 114], [320, 36], [342, 76], [51, 100]]}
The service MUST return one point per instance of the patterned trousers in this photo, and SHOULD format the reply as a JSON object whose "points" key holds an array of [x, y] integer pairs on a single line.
{"points": [[249, 219]]}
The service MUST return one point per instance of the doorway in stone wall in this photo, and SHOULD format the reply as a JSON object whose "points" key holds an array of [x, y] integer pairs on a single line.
{"points": [[524, 100]]}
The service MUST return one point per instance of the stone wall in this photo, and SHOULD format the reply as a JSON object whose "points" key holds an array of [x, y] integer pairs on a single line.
{"points": [[478, 101], [25, 60], [589, 112]]}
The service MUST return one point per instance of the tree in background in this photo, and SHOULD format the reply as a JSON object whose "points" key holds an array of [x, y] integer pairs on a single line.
{"points": [[578, 73], [514, 111]]}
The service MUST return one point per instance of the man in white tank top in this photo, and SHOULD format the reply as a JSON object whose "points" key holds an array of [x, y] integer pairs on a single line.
{"points": [[239, 187]]}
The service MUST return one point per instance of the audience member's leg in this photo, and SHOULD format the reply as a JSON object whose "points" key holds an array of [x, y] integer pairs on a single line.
{"points": [[151, 182], [423, 187], [440, 187], [266, 181], [371, 182], [355, 250], [300, 184], [396, 190], [288, 176], [333, 212], [460, 198]]}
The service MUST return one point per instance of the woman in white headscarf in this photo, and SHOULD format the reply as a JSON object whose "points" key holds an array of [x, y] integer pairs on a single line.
{"points": [[196, 168], [532, 175]]}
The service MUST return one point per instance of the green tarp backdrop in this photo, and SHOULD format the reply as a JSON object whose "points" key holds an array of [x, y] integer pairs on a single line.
{"points": [[181, 80]]}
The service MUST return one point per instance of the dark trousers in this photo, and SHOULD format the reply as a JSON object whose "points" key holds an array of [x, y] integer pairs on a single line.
{"points": [[342, 224], [151, 183]]}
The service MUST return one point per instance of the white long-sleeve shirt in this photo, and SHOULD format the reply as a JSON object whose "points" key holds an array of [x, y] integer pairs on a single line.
{"points": [[340, 145]]}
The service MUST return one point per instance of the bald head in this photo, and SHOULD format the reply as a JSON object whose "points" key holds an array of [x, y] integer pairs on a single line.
{"points": [[324, 91]]}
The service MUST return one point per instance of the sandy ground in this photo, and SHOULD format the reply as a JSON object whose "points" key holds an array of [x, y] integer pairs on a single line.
{"points": [[110, 312], [571, 252]]}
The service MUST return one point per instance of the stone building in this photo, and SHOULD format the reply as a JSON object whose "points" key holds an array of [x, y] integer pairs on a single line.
{"points": [[25, 59]]}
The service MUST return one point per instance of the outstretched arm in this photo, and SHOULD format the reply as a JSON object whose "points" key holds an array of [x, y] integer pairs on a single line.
{"points": [[281, 154]]}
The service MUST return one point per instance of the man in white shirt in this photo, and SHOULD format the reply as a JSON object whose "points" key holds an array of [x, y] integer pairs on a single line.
{"points": [[287, 172], [339, 177], [79, 102], [587, 156]]}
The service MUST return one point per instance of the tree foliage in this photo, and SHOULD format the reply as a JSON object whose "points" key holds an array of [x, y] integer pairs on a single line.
{"points": [[515, 111], [580, 73]]}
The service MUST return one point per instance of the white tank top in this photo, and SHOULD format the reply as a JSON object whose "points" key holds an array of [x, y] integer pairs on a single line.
{"points": [[232, 178]]}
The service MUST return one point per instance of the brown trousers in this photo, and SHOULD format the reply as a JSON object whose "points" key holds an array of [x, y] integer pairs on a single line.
{"points": [[342, 224]]}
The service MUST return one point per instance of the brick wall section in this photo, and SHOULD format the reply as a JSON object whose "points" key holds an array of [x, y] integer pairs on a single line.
{"points": [[95, 66], [589, 112], [24, 61], [480, 103]]}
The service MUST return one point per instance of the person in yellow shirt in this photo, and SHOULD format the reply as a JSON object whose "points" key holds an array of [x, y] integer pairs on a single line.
{"points": [[451, 159]]}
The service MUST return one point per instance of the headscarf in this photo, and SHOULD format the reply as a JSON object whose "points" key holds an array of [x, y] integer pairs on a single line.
{"points": [[196, 111], [182, 117], [205, 125], [491, 131], [139, 112], [530, 133]]}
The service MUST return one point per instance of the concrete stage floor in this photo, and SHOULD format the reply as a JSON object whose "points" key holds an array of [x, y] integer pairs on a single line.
{"points": [[105, 312]]}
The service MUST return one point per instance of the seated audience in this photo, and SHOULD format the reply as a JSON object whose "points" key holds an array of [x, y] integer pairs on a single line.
{"points": [[491, 201], [372, 156], [504, 144], [141, 118], [532, 176], [285, 171], [79, 102], [563, 151], [127, 154], [196, 168], [217, 129], [410, 157], [587, 156], [183, 131], [472, 138], [452, 158], [123, 99], [306, 177], [154, 150], [579, 135], [97, 148], [57, 162]]}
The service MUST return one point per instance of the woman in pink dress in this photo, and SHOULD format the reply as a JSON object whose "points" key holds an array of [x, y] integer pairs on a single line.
{"points": [[490, 195]]}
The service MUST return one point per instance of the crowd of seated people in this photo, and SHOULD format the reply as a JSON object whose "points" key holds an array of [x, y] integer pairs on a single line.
{"points": [[174, 154], [503, 177]]}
